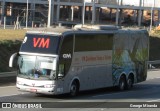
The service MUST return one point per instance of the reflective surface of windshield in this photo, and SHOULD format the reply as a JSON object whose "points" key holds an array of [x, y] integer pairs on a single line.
{"points": [[36, 67]]}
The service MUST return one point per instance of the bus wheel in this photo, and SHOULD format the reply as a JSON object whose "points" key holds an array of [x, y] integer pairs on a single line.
{"points": [[122, 83], [129, 83], [74, 89]]}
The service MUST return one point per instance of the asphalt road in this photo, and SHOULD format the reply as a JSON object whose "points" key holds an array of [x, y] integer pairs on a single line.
{"points": [[107, 99]]}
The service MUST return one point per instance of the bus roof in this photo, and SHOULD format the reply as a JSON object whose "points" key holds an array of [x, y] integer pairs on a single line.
{"points": [[81, 28], [60, 30], [55, 31]]}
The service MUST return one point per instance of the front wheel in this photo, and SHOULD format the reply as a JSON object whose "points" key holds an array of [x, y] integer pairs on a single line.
{"points": [[74, 89]]}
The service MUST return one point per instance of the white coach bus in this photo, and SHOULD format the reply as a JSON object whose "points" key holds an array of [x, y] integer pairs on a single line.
{"points": [[60, 60]]}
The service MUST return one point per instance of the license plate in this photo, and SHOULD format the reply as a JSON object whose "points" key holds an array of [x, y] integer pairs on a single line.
{"points": [[33, 90]]}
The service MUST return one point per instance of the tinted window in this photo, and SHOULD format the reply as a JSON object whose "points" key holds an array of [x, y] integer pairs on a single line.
{"points": [[67, 46], [93, 42], [66, 52]]}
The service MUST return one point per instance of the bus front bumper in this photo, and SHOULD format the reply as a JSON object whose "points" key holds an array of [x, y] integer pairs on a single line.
{"points": [[48, 91]]}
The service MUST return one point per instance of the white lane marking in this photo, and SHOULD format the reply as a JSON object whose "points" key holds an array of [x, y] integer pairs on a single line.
{"points": [[153, 100], [7, 86], [18, 93], [14, 94], [9, 95], [152, 78]]}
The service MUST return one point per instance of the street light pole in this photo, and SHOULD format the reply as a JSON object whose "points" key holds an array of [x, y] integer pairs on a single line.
{"points": [[27, 16], [153, 5], [83, 12], [49, 14], [93, 13]]}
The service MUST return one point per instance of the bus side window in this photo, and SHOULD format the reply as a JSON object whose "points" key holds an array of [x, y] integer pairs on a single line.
{"points": [[66, 53]]}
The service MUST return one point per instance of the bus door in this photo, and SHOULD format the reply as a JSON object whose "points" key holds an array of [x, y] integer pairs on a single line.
{"points": [[65, 59]]}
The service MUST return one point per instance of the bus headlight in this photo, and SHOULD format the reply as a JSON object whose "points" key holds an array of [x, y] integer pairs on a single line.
{"points": [[20, 83], [49, 86]]}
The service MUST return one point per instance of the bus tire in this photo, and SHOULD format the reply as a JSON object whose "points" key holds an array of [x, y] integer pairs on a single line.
{"points": [[122, 83], [74, 89], [129, 82]]}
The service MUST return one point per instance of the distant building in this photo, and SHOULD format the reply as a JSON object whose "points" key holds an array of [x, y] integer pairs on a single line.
{"points": [[71, 11]]}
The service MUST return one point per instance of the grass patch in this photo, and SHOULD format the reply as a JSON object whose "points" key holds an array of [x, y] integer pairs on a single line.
{"points": [[154, 51], [10, 41], [7, 48], [10, 34]]}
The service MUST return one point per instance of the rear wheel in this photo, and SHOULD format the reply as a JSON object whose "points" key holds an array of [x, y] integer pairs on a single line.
{"points": [[122, 83], [129, 83], [74, 89]]}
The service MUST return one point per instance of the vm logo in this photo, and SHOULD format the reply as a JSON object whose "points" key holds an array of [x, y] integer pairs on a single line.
{"points": [[41, 42], [66, 56]]}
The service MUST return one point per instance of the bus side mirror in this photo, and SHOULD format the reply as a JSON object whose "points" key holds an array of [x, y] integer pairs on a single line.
{"points": [[12, 58], [61, 71]]}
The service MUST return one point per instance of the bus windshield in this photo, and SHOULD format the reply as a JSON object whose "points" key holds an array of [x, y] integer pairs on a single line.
{"points": [[36, 67]]}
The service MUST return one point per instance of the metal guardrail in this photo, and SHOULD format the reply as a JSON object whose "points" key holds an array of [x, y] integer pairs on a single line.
{"points": [[8, 74], [154, 62], [151, 63]]}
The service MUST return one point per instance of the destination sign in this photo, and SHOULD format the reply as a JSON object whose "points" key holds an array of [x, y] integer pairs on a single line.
{"points": [[47, 44]]}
